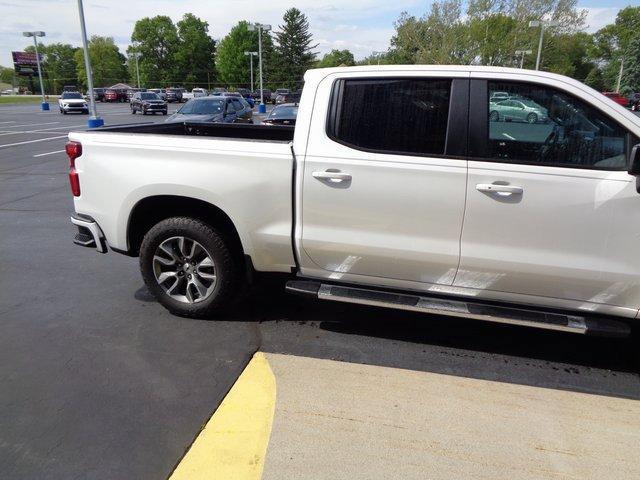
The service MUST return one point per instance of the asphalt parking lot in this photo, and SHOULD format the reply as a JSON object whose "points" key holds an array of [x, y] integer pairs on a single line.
{"points": [[98, 381]]}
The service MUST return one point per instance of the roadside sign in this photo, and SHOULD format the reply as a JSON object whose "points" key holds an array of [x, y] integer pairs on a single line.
{"points": [[25, 63]]}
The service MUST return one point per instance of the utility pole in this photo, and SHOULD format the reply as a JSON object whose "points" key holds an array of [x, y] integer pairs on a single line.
{"points": [[522, 53], [136, 54], [543, 25], [260, 28], [44, 105], [620, 75], [94, 120], [250, 55]]}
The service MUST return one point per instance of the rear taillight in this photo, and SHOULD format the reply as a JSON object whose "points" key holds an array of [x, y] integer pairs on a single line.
{"points": [[74, 150]]}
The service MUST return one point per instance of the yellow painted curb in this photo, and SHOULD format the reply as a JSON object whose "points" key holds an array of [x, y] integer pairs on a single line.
{"points": [[233, 444]]}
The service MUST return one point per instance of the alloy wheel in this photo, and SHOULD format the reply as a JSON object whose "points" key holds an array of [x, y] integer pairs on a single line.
{"points": [[185, 270]]}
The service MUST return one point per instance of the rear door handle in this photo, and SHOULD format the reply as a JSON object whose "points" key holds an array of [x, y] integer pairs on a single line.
{"points": [[334, 176], [506, 189]]}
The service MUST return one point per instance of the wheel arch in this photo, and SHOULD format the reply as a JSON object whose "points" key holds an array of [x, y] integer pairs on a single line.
{"points": [[150, 210]]}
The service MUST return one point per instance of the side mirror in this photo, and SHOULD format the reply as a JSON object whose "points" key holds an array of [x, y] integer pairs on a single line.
{"points": [[634, 161], [634, 165]]}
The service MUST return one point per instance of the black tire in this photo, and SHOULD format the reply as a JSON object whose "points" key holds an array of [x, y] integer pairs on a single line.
{"points": [[228, 267], [133, 111], [494, 116], [144, 112], [532, 118], [164, 112]]}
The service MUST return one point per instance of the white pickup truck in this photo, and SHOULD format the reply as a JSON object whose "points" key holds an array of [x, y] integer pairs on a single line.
{"points": [[410, 187]]}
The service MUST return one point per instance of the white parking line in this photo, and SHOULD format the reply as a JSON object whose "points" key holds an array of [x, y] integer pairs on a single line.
{"points": [[30, 124], [31, 141], [49, 153], [60, 127], [12, 121]]}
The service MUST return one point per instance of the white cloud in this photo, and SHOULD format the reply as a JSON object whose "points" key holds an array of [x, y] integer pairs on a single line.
{"points": [[346, 25], [599, 17]]}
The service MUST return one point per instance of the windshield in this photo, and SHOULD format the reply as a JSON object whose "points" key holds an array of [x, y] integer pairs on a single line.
{"points": [[71, 95], [209, 106], [148, 96], [284, 112]]}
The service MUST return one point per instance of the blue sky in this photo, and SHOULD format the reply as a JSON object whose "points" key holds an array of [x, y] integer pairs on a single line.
{"points": [[362, 26]]}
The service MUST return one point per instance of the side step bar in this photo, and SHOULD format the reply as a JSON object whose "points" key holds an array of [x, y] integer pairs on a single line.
{"points": [[565, 322]]}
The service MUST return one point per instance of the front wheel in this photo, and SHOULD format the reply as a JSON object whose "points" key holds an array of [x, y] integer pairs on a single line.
{"points": [[189, 267], [494, 116], [532, 118]]}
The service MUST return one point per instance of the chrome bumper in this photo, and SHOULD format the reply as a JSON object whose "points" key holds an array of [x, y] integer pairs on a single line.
{"points": [[89, 233]]}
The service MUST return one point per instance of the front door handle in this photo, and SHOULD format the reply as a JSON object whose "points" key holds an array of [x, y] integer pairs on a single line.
{"points": [[497, 188], [334, 176]]}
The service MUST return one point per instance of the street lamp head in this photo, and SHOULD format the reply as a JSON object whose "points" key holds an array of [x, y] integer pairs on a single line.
{"points": [[33, 34], [39, 34], [27, 34], [534, 23]]}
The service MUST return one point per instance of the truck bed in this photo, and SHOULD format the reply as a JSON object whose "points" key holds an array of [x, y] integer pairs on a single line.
{"points": [[271, 133]]}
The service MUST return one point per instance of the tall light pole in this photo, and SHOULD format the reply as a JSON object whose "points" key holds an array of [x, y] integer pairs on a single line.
{"points": [[543, 24], [94, 120], [522, 53], [260, 27], [250, 55], [44, 105], [136, 54]]}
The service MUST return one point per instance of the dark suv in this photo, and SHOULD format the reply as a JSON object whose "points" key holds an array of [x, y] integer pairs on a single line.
{"points": [[174, 95], [147, 102]]}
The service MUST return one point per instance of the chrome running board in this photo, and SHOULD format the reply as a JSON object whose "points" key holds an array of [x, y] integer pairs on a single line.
{"points": [[564, 322]]}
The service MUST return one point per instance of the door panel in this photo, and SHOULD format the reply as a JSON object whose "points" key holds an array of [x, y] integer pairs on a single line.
{"points": [[379, 199], [551, 211], [393, 220]]}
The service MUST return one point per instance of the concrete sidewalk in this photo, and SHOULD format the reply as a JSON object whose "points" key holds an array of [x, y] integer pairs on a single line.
{"points": [[338, 420], [321, 419]]}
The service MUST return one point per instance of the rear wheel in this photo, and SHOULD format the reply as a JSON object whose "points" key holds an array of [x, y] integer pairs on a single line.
{"points": [[189, 267], [532, 118], [494, 116]]}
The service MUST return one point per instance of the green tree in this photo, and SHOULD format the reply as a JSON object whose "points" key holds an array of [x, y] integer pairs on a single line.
{"points": [[294, 49], [594, 79], [232, 64], [6, 75], [157, 40], [107, 63], [631, 76], [611, 43], [195, 51], [60, 66], [568, 54], [336, 58]]}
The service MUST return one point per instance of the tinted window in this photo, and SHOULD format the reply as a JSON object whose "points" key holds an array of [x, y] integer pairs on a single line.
{"points": [[237, 104], [549, 127], [395, 115], [202, 107], [71, 95], [284, 112], [149, 96]]}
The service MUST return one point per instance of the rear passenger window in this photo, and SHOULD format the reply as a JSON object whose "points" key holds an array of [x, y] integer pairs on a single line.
{"points": [[541, 125], [237, 104], [393, 115]]}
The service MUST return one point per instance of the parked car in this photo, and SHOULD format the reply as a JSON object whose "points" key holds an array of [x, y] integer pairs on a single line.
{"points": [[218, 109], [69, 88], [132, 91], [148, 102], [98, 94], [365, 201], [115, 95], [520, 110], [199, 92], [249, 100], [267, 95], [287, 98], [283, 114], [217, 90], [499, 96], [616, 97], [159, 92], [72, 102], [634, 101], [174, 95]]}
